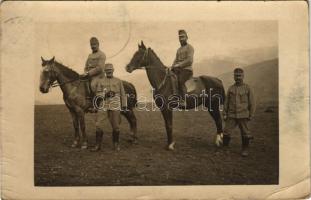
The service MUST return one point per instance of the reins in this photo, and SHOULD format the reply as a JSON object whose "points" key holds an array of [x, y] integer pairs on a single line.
{"points": [[146, 55], [56, 83]]}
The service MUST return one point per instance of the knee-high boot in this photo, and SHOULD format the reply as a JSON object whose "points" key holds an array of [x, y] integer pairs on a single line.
{"points": [[115, 139], [99, 138]]}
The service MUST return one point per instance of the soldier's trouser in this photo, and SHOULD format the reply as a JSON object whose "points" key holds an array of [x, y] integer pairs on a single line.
{"points": [[232, 123], [182, 76], [114, 117], [115, 120]]}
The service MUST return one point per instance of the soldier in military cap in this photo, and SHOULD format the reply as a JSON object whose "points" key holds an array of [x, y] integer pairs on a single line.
{"points": [[114, 100], [95, 63], [239, 109], [182, 65]]}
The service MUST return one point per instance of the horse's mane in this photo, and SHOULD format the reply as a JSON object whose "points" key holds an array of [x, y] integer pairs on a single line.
{"points": [[70, 73], [157, 57]]}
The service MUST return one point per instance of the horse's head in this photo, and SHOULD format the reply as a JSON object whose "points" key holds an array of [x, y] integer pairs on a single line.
{"points": [[139, 59], [48, 75]]}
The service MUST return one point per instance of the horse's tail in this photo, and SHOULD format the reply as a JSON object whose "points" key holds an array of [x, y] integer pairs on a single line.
{"points": [[131, 93], [217, 85], [222, 91]]}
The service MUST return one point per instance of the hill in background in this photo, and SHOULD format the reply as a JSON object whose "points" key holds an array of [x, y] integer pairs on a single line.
{"points": [[262, 77]]}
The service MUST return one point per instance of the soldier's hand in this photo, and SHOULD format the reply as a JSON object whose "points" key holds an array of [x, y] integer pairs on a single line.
{"points": [[250, 118], [225, 117]]}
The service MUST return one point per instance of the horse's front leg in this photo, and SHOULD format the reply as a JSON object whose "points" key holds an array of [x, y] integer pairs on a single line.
{"points": [[131, 118], [168, 118], [82, 127], [75, 122]]}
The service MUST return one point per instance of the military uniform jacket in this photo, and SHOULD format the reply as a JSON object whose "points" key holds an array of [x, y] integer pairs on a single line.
{"points": [[95, 63], [184, 57], [240, 102], [115, 85]]}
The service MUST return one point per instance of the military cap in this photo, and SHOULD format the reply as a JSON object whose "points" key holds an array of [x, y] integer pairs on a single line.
{"points": [[238, 71], [94, 39], [182, 32], [109, 66]]}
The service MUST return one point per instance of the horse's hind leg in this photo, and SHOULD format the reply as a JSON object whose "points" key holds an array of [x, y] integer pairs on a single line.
{"points": [[216, 115], [168, 118], [131, 118], [75, 122]]}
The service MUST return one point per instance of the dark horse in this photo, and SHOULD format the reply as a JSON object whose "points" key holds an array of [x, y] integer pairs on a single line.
{"points": [[74, 95], [159, 78]]}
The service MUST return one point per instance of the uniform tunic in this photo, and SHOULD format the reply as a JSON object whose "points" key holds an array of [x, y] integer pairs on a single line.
{"points": [[114, 85], [239, 106], [184, 57], [112, 105], [240, 102], [95, 63], [95, 66]]}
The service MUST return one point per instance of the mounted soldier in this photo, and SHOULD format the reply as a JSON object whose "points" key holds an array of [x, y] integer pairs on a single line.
{"points": [[182, 65], [95, 63]]}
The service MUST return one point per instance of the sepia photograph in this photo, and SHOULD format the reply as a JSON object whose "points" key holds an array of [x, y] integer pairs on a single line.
{"points": [[155, 100], [145, 102]]}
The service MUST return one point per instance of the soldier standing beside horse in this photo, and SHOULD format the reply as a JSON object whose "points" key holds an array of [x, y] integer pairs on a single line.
{"points": [[111, 90], [239, 109]]}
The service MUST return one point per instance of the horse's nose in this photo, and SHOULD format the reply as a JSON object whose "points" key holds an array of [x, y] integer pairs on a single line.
{"points": [[128, 68], [42, 89]]}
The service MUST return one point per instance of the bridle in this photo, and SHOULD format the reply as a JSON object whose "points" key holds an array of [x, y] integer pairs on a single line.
{"points": [[145, 56], [147, 66]]}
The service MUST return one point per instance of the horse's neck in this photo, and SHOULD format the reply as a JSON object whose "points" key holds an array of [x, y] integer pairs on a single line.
{"points": [[64, 81], [155, 71]]}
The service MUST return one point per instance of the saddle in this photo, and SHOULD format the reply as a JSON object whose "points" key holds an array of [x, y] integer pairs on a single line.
{"points": [[192, 85]]}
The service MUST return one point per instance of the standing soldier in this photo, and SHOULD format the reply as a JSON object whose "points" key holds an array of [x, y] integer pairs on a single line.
{"points": [[182, 65], [239, 109], [112, 92], [95, 63]]}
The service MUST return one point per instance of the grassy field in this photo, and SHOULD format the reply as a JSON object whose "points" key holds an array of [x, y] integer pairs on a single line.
{"points": [[196, 161]]}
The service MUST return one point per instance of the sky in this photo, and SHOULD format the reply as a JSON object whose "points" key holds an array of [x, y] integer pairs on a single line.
{"points": [[119, 35]]}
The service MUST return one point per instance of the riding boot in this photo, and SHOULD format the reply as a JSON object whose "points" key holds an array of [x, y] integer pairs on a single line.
{"points": [[115, 138], [245, 144], [226, 140], [99, 138]]}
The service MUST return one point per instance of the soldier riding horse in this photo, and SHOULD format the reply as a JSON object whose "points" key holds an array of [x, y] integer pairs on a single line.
{"points": [[75, 97], [159, 77]]}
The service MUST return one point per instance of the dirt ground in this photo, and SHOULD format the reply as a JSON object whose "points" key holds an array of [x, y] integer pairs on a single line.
{"points": [[196, 160]]}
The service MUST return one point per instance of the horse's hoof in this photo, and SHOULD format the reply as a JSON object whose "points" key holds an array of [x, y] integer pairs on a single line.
{"points": [[135, 141], [116, 147], [171, 147], [84, 146], [95, 149], [75, 144], [219, 139]]}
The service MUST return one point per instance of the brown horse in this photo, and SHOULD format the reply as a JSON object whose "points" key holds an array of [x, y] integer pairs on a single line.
{"points": [[207, 91], [75, 97]]}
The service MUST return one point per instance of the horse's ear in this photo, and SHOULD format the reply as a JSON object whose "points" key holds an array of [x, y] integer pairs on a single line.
{"points": [[42, 59], [143, 45], [53, 59], [139, 46]]}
